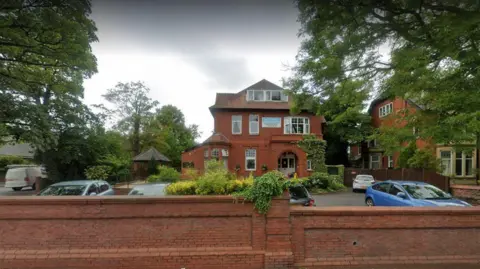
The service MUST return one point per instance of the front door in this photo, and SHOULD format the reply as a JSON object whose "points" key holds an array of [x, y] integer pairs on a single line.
{"points": [[286, 164]]}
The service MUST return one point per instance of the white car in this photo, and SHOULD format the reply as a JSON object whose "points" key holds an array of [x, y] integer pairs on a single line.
{"points": [[18, 177], [362, 182]]}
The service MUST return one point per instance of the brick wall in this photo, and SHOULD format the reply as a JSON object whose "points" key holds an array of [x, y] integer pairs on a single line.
{"points": [[128, 232], [467, 192], [213, 232], [373, 238]]}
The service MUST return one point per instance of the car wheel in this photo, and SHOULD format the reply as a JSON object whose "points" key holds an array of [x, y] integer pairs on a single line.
{"points": [[369, 202], [17, 188], [33, 186], [354, 190]]}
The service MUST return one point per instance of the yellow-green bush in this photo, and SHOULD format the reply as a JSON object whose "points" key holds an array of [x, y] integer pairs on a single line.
{"points": [[187, 187]]}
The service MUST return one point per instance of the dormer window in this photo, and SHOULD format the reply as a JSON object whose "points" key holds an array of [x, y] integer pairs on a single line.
{"points": [[266, 96]]}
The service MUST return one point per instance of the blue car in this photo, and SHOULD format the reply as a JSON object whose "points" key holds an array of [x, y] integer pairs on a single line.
{"points": [[409, 193]]}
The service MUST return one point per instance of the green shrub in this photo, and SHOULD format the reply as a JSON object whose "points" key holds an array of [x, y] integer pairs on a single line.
{"points": [[165, 174], [213, 182], [8, 160], [187, 187], [318, 180], [98, 172], [264, 189]]}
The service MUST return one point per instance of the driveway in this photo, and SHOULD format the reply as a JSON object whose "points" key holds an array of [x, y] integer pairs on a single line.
{"points": [[346, 198], [9, 192]]}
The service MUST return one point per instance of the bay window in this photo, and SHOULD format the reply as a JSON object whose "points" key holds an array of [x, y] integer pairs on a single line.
{"points": [[446, 160], [296, 125]]}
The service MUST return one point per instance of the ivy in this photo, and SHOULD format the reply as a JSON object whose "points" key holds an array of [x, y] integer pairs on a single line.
{"points": [[315, 150], [264, 189]]}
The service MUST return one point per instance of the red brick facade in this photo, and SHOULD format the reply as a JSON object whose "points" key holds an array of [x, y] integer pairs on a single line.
{"points": [[269, 144], [213, 232]]}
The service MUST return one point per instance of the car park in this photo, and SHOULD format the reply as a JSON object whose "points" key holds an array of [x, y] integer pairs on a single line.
{"points": [[362, 182], [409, 193], [78, 188]]}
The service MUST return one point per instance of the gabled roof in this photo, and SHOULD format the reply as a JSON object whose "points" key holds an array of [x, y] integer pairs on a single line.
{"points": [[217, 138], [239, 100], [23, 150], [381, 99], [147, 156]]}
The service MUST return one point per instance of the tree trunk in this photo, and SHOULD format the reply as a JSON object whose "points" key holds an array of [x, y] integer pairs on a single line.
{"points": [[477, 155], [136, 136]]}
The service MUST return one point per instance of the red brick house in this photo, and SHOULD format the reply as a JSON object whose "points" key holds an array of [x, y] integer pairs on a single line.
{"points": [[254, 132], [370, 155]]}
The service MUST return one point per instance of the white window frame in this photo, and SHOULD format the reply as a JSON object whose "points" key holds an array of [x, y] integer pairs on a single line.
{"points": [[374, 143], [449, 160], [390, 163], [379, 161], [309, 165], [206, 153], [234, 120], [251, 95], [250, 122], [385, 110], [463, 159], [250, 157], [266, 96], [287, 125], [215, 153]]}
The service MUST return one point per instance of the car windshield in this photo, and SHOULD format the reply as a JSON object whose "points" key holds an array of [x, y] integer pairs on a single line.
{"points": [[425, 192], [298, 192], [156, 190], [63, 190]]}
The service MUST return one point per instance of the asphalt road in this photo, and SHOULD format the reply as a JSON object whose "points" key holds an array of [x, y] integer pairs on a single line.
{"points": [[9, 192], [346, 198]]}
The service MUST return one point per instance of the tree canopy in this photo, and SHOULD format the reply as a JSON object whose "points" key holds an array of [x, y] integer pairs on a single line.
{"points": [[168, 133], [424, 51], [132, 109]]}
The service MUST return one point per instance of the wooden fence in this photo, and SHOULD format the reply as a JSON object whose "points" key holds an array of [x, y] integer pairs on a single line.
{"points": [[430, 177]]}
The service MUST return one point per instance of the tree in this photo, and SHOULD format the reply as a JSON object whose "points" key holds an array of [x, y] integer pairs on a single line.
{"points": [[425, 51], [406, 154], [45, 55], [132, 109], [168, 132]]}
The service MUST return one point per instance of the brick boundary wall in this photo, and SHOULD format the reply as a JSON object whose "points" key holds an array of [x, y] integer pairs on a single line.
{"points": [[194, 232], [361, 237], [468, 192]]}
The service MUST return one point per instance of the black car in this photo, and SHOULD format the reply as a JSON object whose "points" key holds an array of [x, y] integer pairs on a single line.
{"points": [[300, 196]]}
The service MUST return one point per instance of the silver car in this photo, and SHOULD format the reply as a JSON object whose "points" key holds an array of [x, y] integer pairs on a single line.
{"points": [[153, 189], [78, 188]]}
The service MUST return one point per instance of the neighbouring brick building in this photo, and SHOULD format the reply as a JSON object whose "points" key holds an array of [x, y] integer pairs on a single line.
{"points": [[255, 132], [459, 163]]}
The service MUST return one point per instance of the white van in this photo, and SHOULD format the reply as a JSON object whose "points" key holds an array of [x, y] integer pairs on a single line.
{"points": [[22, 176]]}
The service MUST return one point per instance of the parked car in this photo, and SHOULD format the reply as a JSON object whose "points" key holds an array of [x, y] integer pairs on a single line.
{"points": [[153, 189], [362, 182], [409, 193], [20, 176], [78, 188], [300, 196]]}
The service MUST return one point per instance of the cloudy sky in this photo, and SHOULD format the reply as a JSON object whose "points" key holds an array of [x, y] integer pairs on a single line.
{"points": [[186, 51]]}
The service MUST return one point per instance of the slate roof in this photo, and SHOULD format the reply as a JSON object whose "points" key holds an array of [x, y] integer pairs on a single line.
{"points": [[216, 138], [23, 150], [147, 156], [239, 100]]}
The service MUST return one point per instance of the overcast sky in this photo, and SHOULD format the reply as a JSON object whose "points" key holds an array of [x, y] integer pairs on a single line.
{"points": [[186, 51]]}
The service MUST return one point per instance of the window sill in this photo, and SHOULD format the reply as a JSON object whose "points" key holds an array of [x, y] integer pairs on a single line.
{"points": [[251, 170], [255, 134]]}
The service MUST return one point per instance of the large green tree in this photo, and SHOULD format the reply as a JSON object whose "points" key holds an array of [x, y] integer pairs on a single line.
{"points": [[132, 109], [45, 54], [168, 132], [426, 51]]}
